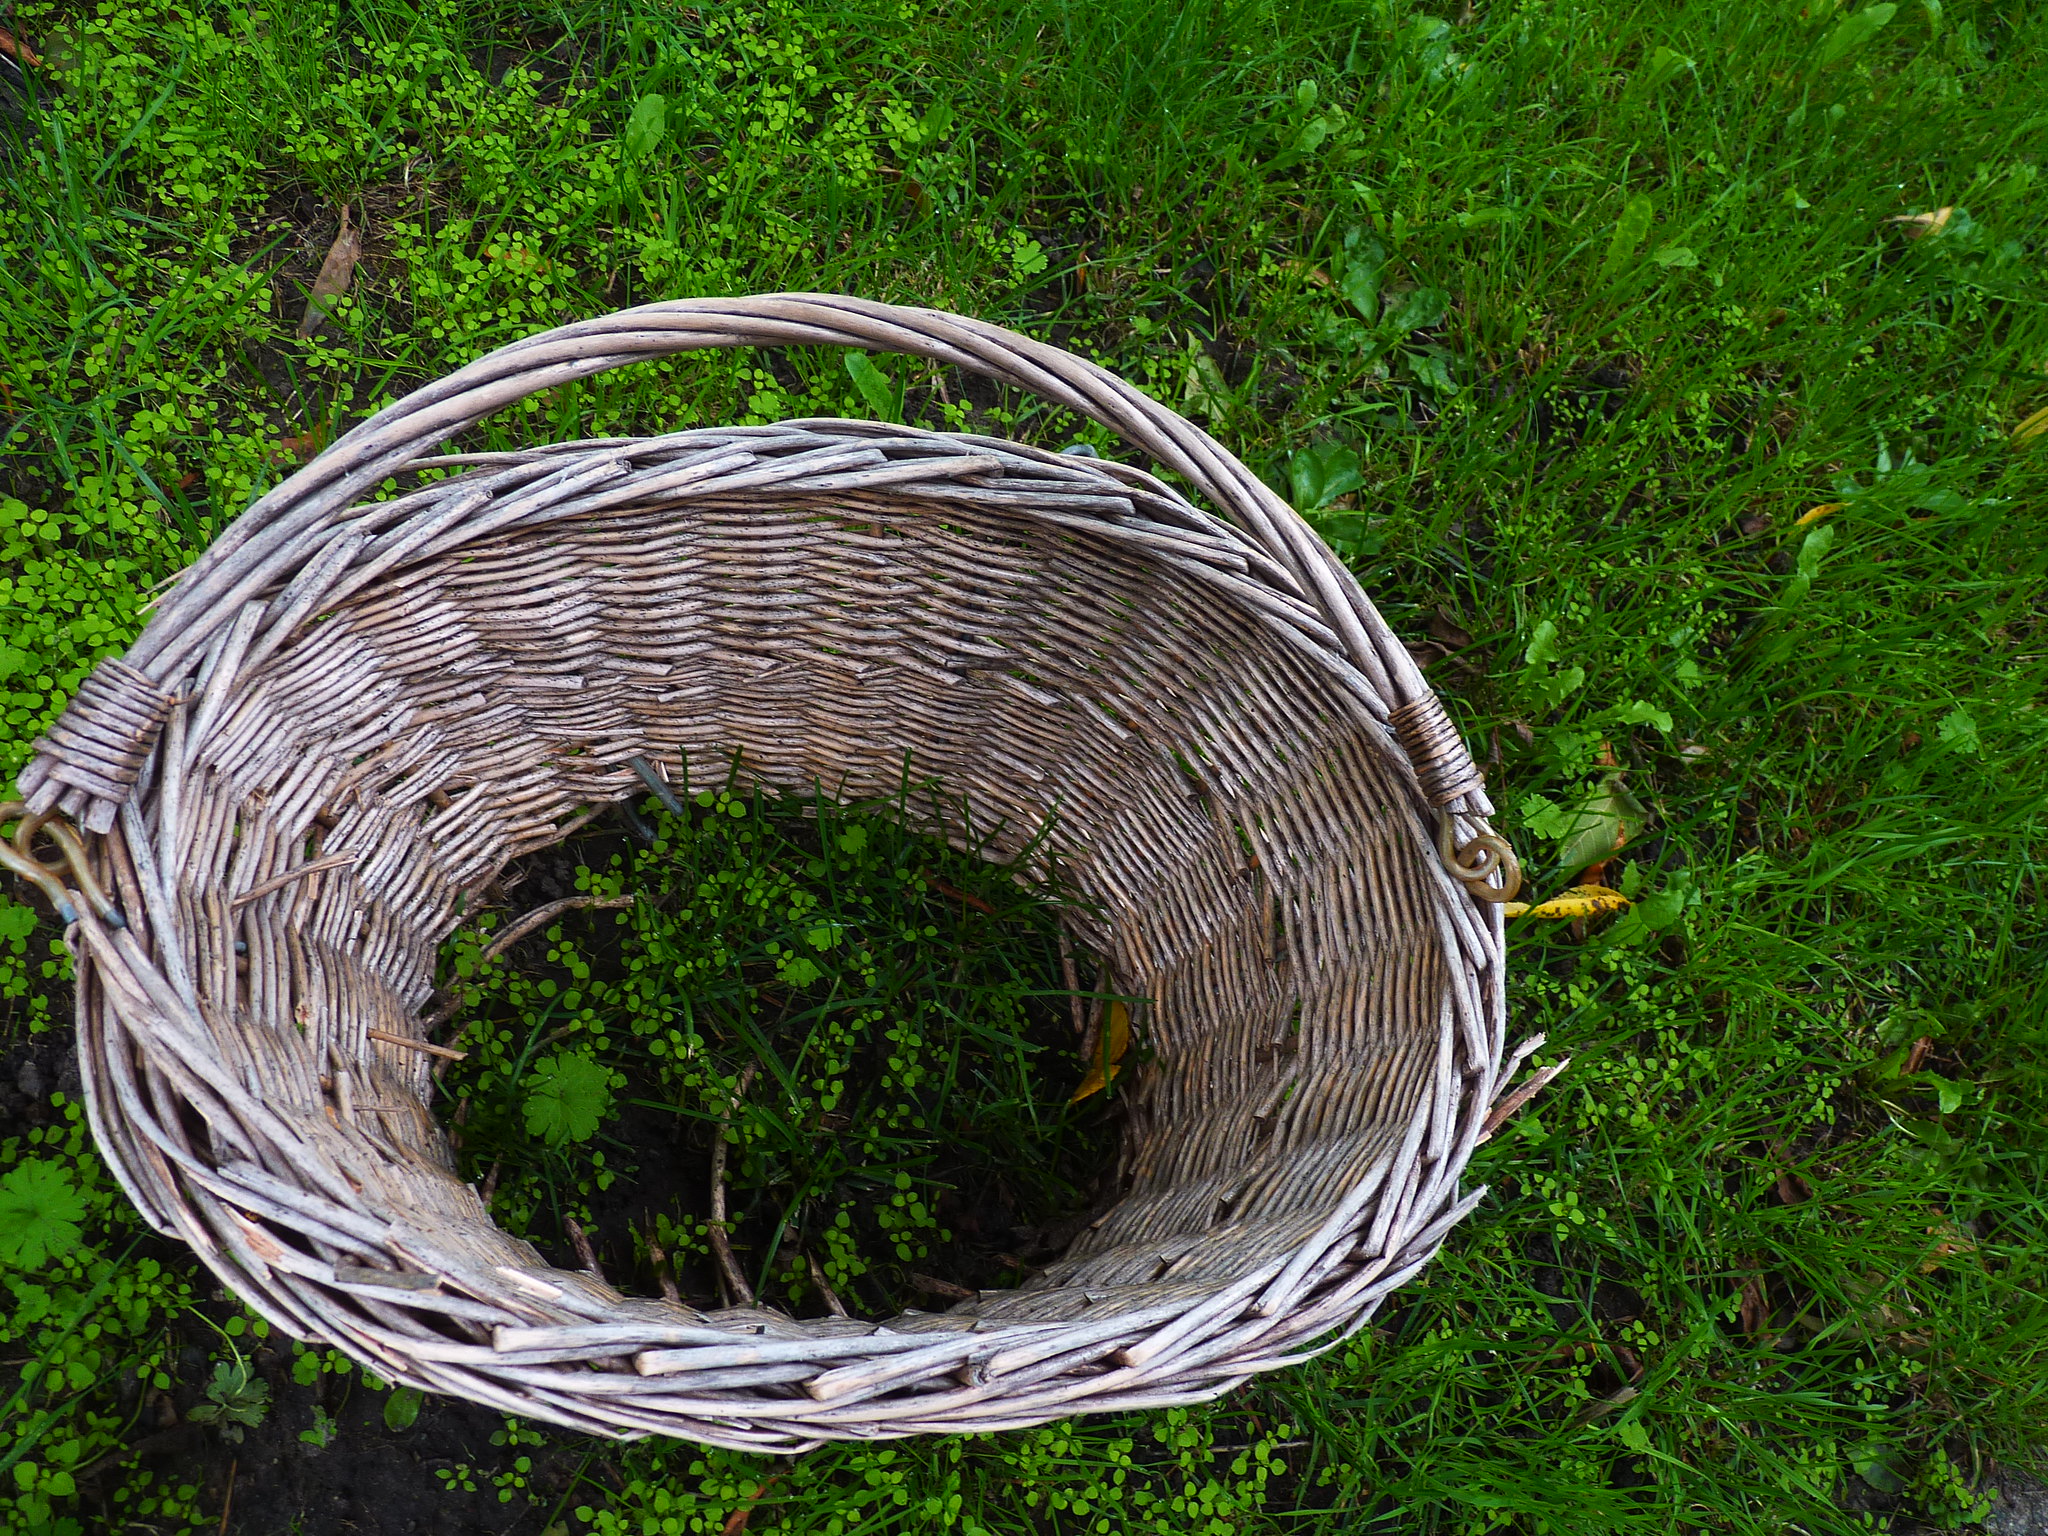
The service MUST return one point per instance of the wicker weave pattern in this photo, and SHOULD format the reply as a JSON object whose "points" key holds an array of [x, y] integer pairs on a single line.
{"points": [[348, 715]]}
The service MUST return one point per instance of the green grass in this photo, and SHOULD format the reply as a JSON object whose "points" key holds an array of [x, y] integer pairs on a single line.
{"points": [[1556, 318]]}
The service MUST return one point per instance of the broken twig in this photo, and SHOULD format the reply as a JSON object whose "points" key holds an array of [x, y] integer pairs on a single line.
{"points": [[721, 1243]]}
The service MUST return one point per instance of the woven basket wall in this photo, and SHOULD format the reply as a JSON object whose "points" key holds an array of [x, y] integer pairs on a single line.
{"points": [[350, 713]]}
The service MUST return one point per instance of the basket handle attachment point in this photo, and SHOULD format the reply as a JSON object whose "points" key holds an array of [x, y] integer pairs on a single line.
{"points": [[1447, 775], [1473, 861], [18, 856]]}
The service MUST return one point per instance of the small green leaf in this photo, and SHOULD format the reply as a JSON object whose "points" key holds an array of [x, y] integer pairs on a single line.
{"points": [[566, 1098], [1813, 547], [1560, 686], [234, 1398], [39, 1213], [1639, 713], [1545, 817], [1948, 1095], [1663, 66], [401, 1409], [1674, 256], [1867, 1462], [798, 971], [1203, 387], [1629, 230], [1430, 368], [1360, 283], [936, 123], [1319, 474], [874, 387], [1542, 644], [1958, 729], [1666, 907], [1604, 821], [1420, 310], [644, 129], [1853, 31], [1027, 258], [16, 922]]}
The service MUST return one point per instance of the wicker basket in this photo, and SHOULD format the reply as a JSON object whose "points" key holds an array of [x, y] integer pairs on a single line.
{"points": [[349, 714]]}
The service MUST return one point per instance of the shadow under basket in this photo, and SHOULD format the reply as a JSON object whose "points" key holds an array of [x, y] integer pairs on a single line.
{"points": [[345, 718]]}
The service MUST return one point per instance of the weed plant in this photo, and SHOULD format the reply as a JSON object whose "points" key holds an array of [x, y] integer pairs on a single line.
{"points": [[1669, 374], [875, 1023]]}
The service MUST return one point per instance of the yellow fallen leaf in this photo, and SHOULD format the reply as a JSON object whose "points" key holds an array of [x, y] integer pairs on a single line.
{"points": [[1579, 901], [1922, 224], [2031, 428], [1815, 514], [1116, 1039]]}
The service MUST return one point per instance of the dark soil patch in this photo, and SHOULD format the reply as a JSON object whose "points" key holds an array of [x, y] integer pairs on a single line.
{"points": [[1000, 1235], [365, 1479]]}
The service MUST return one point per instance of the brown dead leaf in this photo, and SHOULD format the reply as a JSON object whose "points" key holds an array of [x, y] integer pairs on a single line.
{"points": [[932, 1285], [1116, 1040], [1424, 653], [18, 51], [335, 273], [1446, 632], [1916, 1057], [1756, 1311], [1600, 1407], [1792, 1189], [1630, 1361], [1920, 225], [301, 447], [1951, 1240]]}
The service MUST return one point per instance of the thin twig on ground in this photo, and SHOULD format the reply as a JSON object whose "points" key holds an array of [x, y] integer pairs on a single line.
{"points": [[739, 1293], [831, 1297], [539, 917]]}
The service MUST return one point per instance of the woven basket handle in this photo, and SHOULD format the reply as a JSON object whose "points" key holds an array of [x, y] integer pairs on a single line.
{"points": [[91, 758]]}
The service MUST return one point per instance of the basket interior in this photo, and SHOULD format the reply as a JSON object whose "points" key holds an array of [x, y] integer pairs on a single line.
{"points": [[1221, 803]]}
